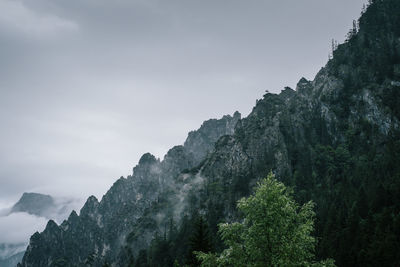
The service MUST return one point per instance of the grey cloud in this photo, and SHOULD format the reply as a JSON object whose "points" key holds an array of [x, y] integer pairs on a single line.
{"points": [[96, 83], [16, 17]]}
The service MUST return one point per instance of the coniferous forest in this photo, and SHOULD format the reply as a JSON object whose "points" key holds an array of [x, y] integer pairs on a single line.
{"points": [[310, 178]]}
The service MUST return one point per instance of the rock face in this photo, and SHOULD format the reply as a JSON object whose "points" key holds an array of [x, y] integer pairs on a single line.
{"points": [[335, 140], [202, 141]]}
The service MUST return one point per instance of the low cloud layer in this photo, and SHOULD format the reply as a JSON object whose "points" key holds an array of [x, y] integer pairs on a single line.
{"points": [[16, 228]]}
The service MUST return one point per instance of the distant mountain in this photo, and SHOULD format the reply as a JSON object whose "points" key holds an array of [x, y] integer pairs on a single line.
{"points": [[13, 260], [334, 140], [35, 204], [8, 250]]}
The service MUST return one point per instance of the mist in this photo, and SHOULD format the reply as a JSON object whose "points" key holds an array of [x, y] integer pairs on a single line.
{"points": [[18, 227], [15, 231]]}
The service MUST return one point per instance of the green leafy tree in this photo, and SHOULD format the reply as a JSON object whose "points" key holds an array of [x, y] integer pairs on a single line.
{"points": [[276, 231]]}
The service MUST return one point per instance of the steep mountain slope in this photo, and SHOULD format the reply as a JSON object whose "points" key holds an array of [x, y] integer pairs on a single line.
{"points": [[335, 140], [100, 230]]}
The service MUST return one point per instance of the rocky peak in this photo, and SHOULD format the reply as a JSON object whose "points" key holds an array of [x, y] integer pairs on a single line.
{"points": [[176, 160], [287, 93], [201, 141], [52, 230], [237, 116], [304, 86], [90, 206], [51, 226], [73, 216], [147, 167], [147, 158]]}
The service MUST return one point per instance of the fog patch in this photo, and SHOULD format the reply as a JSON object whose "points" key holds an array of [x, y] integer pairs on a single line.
{"points": [[5, 211], [192, 183], [15, 231], [18, 227]]}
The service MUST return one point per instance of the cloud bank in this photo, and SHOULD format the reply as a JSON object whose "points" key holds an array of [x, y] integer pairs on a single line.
{"points": [[15, 16], [18, 227]]}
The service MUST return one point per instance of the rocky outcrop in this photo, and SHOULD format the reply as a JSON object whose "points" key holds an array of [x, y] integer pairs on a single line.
{"points": [[202, 141]]}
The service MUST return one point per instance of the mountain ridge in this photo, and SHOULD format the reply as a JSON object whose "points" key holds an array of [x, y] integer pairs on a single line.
{"points": [[333, 140], [141, 188]]}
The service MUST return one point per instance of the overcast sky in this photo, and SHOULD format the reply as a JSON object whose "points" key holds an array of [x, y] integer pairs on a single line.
{"points": [[88, 86]]}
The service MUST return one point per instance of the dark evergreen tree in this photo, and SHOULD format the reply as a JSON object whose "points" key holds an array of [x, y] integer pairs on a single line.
{"points": [[199, 241], [141, 260]]}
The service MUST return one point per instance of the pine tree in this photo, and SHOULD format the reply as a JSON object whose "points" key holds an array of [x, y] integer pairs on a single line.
{"points": [[141, 260], [199, 241]]}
